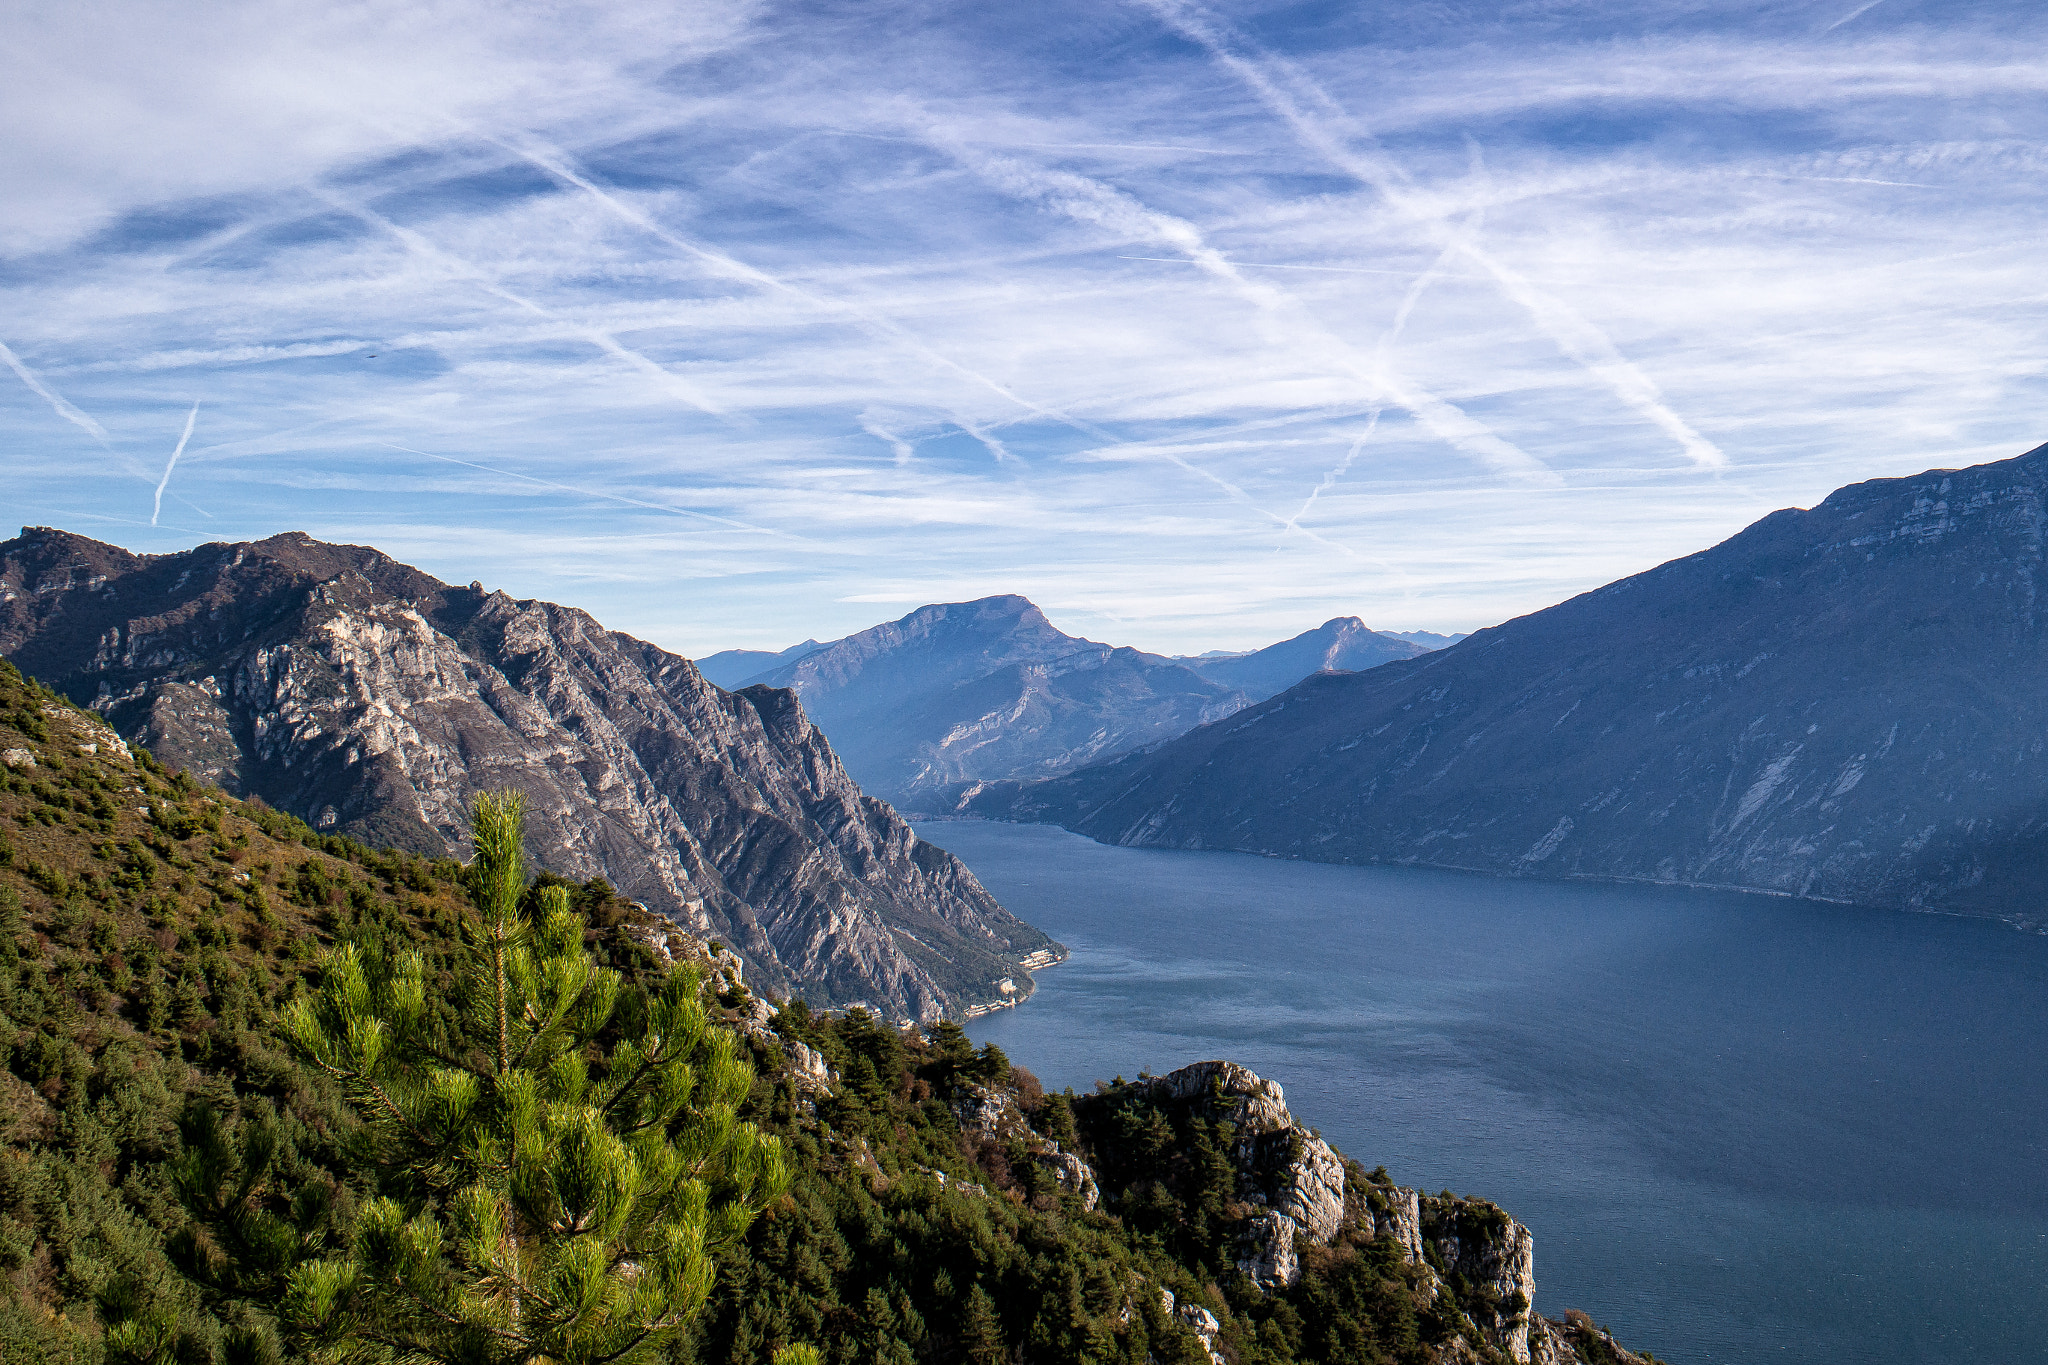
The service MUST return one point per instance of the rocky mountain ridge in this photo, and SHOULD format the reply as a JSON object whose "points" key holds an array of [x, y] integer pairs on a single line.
{"points": [[1844, 703], [957, 693], [373, 700], [925, 708]]}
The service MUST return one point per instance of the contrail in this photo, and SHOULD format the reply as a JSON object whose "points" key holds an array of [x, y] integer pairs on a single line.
{"points": [[1386, 344], [882, 327], [593, 493], [598, 337], [43, 391], [158, 506], [1325, 269], [995, 447], [902, 448], [1579, 339], [1868, 5], [1384, 349], [1105, 206]]}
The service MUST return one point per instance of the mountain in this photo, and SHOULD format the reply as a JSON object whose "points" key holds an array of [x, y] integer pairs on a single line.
{"points": [[1846, 703], [943, 1207], [964, 692], [1428, 639], [373, 700], [730, 668], [1340, 644]]}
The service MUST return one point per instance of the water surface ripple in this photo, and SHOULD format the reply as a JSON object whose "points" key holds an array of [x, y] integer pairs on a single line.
{"points": [[1742, 1128]]}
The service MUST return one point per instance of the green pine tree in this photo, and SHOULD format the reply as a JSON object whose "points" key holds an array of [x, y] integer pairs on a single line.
{"points": [[549, 1185]]}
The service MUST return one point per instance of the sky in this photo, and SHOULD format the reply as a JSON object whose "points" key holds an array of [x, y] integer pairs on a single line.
{"points": [[741, 323]]}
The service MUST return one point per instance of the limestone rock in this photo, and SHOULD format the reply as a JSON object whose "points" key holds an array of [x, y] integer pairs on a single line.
{"points": [[367, 697], [1495, 1255], [1265, 1250], [1280, 1164], [1073, 1174]]}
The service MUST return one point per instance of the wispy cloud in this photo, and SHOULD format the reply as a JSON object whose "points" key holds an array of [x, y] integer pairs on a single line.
{"points": [[720, 319], [1319, 121], [57, 403]]}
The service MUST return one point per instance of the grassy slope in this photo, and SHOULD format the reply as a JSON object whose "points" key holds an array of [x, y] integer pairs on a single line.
{"points": [[149, 928]]}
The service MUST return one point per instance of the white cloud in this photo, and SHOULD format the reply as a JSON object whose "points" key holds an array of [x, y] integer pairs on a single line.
{"points": [[950, 304]]}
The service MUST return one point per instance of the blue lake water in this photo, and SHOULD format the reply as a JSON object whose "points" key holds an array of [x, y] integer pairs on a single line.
{"points": [[1742, 1128]]}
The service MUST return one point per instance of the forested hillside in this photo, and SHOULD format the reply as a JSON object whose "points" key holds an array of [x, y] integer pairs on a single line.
{"points": [[944, 1208]]}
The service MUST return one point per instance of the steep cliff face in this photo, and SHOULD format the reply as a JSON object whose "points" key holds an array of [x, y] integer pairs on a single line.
{"points": [[371, 699], [1293, 1200], [1848, 702], [958, 693]]}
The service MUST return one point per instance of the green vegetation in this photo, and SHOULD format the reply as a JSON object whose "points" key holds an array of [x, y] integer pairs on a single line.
{"points": [[525, 1208], [203, 1161]]}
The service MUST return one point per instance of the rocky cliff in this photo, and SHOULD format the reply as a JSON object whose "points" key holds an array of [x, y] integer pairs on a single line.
{"points": [[1847, 702], [1287, 1205], [373, 700]]}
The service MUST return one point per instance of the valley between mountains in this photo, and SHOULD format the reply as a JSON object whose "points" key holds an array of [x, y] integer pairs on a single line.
{"points": [[1847, 703]]}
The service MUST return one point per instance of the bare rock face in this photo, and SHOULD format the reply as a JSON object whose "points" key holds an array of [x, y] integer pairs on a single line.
{"points": [[1495, 1255], [1280, 1164], [1073, 1174], [373, 700]]}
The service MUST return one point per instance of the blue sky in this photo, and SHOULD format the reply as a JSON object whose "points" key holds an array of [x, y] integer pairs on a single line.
{"points": [[737, 324]]}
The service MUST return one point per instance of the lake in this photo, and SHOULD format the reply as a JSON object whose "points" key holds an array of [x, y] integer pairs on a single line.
{"points": [[1742, 1128]]}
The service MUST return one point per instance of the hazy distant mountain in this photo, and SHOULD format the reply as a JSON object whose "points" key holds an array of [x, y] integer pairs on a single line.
{"points": [[1342, 643], [963, 692], [1428, 639], [730, 668], [1849, 702], [373, 700]]}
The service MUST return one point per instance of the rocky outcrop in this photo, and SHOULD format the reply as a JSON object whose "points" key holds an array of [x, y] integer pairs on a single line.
{"points": [[1300, 1198], [1197, 1320], [373, 700], [1844, 703], [1288, 1170], [990, 1114]]}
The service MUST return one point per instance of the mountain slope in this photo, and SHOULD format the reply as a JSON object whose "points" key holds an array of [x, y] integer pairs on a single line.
{"points": [[1847, 702], [1341, 644], [373, 700], [958, 693], [151, 927], [731, 668]]}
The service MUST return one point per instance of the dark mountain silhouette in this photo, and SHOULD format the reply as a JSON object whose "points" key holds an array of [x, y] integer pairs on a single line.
{"points": [[373, 700], [1849, 702]]}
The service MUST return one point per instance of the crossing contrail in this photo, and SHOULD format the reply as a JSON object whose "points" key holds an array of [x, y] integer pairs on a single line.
{"points": [[158, 506], [1585, 344]]}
